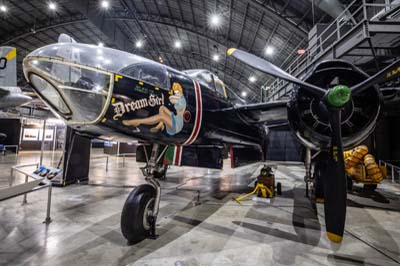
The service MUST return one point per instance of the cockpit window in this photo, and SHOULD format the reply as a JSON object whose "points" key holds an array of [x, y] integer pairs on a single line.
{"points": [[47, 91], [78, 92], [148, 72], [220, 86], [202, 76]]}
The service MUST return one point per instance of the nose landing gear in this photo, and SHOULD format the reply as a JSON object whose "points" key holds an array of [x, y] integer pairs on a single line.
{"points": [[139, 214]]}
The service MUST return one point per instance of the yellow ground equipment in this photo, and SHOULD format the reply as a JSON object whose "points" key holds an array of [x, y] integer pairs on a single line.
{"points": [[264, 186], [362, 168]]}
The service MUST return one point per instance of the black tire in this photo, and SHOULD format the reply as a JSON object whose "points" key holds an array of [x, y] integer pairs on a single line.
{"points": [[132, 221], [279, 188], [370, 187]]}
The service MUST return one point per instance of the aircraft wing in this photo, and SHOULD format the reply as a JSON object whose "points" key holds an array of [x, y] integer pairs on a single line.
{"points": [[269, 113]]}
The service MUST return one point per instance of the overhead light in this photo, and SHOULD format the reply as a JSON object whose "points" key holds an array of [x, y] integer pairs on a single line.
{"points": [[105, 4], [252, 79], [160, 59], [101, 44], [269, 50], [216, 57], [214, 20], [52, 6], [178, 44], [244, 94], [3, 8], [139, 44]]}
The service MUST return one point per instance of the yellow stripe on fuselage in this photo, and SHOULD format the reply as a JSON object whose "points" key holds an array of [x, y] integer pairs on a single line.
{"points": [[12, 54]]}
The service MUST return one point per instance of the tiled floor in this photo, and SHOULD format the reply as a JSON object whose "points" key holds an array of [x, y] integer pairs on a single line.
{"points": [[288, 231]]}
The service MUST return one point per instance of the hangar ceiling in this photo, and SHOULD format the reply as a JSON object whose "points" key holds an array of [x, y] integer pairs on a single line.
{"points": [[251, 25]]}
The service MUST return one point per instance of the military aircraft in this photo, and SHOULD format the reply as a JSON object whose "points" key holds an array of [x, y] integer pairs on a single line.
{"points": [[10, 95], [188, 116]]}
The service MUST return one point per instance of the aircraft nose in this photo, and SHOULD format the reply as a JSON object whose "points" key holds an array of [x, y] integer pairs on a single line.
{"points": [[75, 92]]}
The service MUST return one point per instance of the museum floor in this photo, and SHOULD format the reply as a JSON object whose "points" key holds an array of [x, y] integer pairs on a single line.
{"points": [[218, 231]]}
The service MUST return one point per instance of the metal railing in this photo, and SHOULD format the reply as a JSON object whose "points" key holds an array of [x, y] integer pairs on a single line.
{"points": [[102, 157], [393, 171], [38, 183], [354, 16], [124, 155]]}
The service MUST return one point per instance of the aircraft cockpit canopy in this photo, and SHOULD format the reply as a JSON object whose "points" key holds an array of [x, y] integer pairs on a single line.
{"points": [[208, 79], [76, 79]]}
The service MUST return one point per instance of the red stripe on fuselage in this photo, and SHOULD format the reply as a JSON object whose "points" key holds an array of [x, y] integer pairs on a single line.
{"points": [[177, 155], [199, 115]]}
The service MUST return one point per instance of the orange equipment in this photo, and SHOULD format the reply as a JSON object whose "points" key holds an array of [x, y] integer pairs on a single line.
{"points": [[362, 167]]}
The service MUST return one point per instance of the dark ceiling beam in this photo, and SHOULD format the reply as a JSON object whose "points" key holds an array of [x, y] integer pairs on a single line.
{"points": [[108, 28], [242, 26], [227, 35], [281, 17], [28, 32], [256, 32]]}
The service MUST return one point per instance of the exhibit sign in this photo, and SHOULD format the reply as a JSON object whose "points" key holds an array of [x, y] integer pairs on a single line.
{"points": [[35, 134], [48, 134], [30, 134]]}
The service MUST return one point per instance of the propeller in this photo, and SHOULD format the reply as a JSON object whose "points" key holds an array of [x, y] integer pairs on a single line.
{"points": [[333, 99], [271, 69], [388, 73]]}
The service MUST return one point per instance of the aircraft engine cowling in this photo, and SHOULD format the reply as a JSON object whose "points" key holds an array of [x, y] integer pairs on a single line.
{"points": [[308, 116]]}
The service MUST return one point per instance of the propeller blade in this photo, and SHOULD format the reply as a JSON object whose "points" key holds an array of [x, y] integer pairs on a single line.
{"points": [[271, 69], [388, 73], [335, 187]]}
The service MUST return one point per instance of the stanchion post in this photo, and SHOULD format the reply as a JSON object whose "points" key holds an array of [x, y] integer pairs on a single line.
{"points": [[25, 201], [392, 174], [48, 218]]}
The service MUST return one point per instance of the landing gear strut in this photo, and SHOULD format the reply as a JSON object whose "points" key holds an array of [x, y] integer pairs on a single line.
{"points": [[139, 215]]}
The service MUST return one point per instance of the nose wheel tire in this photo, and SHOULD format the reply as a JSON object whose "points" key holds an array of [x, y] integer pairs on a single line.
{"points": [[137, 213]]}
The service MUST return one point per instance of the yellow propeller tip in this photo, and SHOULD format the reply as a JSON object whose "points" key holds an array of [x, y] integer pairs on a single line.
{"points": [[334, 237], [230, 51]]}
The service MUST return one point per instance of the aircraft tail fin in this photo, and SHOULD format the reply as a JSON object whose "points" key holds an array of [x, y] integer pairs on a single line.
{"points": [[8, 66]]}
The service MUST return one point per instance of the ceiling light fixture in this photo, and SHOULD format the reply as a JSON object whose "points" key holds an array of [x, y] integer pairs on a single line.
{"points": [[105, 4], [216, 57], [3, 8], [252, 79], [269, 50], [139, 44], [214, 20], [244, 94], [178, 44], [52, 6], [101, 44]]}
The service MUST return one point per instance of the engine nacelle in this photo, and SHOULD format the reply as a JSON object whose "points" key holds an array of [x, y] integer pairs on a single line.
{"points": [[309, 117]]}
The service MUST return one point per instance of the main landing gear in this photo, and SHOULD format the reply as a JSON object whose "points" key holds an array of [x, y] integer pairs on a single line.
{"points": [[139, 215]]}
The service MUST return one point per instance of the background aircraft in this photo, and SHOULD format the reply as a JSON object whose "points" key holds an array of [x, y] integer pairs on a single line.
{"points": [[10, 95], [110, 94]]}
